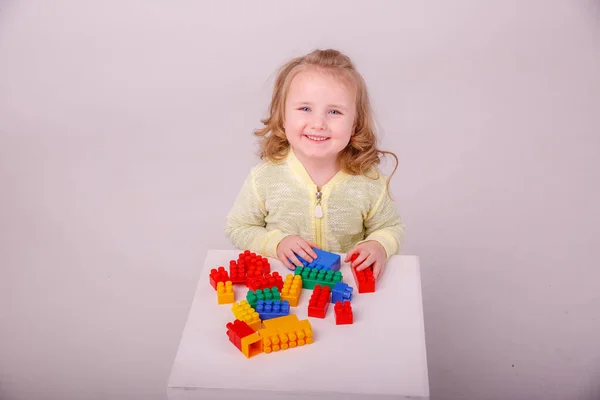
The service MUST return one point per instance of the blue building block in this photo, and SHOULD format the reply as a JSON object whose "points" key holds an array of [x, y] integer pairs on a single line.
{"points": [[268, 309], [341, 292], [325, 261]]}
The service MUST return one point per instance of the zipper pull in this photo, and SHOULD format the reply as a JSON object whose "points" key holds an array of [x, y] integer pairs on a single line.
{"points": [[318, 209]]}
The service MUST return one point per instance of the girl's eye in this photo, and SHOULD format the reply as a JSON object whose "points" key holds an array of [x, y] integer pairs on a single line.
{"points": [[336, 112], [304, 108]]}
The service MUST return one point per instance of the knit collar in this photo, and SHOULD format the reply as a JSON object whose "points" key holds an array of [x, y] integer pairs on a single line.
{"points": [[300, 171]]}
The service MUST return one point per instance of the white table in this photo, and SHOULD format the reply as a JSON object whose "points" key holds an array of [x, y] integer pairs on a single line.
{"points": [[381, 355]]}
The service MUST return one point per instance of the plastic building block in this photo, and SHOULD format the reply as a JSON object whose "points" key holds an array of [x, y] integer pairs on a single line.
{"points": [[267, 281], [343, 313], [244, 338], [268, 309], [341, 292], [252, 261], [244, 312], [252, 297], [225, 294], [258, 268], [285, 333], [314, 276], [248, 264], [325, 260], [292, 288], [365, 281], [218, 275], [319, 301], [237, 272], [236, 330]]}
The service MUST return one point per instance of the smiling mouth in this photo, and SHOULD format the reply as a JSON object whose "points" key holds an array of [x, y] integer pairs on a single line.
{"points": [[317, 138]]}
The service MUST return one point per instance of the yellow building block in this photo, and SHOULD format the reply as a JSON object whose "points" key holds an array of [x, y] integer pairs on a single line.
{"points": [[286, 332], [225, 293], [292, 287], [244, 312], [252, 345]]}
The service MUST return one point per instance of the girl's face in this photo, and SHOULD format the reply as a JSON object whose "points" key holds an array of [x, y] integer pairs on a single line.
{"points": [[319, 116]]}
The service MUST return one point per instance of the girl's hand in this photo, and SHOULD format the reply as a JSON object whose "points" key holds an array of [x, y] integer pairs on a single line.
{"points": [[292, 245], [367, 254]]}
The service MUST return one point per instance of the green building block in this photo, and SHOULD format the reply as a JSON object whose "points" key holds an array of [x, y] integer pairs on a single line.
{"points": [[315, 276], [252, 296]]}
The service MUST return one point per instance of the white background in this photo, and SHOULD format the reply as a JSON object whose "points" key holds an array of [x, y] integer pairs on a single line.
{"points": [[126, 132]]}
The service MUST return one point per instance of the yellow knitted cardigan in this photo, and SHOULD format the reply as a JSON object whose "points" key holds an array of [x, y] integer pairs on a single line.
{"points": [[278, 199]]}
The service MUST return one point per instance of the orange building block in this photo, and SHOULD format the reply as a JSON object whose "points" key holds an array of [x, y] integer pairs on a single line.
{"points": [[244, 312], [292, 288], [225, 294], [244, 338], [284, 333]]}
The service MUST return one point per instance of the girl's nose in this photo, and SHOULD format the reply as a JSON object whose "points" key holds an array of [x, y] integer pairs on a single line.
{"points": [[318, 123]]}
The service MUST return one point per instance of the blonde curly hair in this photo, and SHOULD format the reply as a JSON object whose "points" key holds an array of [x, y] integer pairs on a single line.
{"points": [[361, 154]]}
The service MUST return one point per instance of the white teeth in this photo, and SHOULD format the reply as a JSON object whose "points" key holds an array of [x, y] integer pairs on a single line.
{"points": [[316, 138]]}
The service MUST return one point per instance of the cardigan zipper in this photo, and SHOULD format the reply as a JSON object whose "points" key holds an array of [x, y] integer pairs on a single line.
{"points": [[318, 216]]}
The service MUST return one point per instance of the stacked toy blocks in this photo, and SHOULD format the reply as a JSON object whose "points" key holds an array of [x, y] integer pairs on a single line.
{"points": [[263, 320], [325, 261], [319, 301], [314, 276], [268, 309], [292, 288], [365, 281], [244, 312], [262, 294], [343, 313], [284, 333], [247, 265], [225, 294], [244, 338], [281, 333], [267, 280], [218, 275], [237, 273], [341, 292]]}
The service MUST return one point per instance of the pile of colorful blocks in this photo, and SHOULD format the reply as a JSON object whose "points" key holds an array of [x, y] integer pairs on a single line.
{"points": [[263, 322]]}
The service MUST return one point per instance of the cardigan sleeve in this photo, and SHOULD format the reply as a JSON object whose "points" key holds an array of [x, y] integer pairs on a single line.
{"points": [[384, 225], [245, 226]]}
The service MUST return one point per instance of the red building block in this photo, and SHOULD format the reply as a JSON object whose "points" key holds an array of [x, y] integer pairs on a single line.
{"points": [[343, 313], [365, 281], [237, 273], [259, 265], [319, 301], [267, 281], [247, 265], [218, 275], [238, 330], [244, 338], [253, 261], [253, 273]]}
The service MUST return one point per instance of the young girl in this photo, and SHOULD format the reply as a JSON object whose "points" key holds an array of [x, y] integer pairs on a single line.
{"points": [[319, 185]]}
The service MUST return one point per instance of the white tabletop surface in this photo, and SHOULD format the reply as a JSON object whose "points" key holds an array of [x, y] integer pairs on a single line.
{"points": [[382, 353]]}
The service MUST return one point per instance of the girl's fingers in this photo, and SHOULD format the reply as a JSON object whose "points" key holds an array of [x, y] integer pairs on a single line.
{"points": [[302, 253], [286, 262], [308, 247], [377, 270], [369, 260], [294, 260], [350, 254], [362, 256], [311, 244]]}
